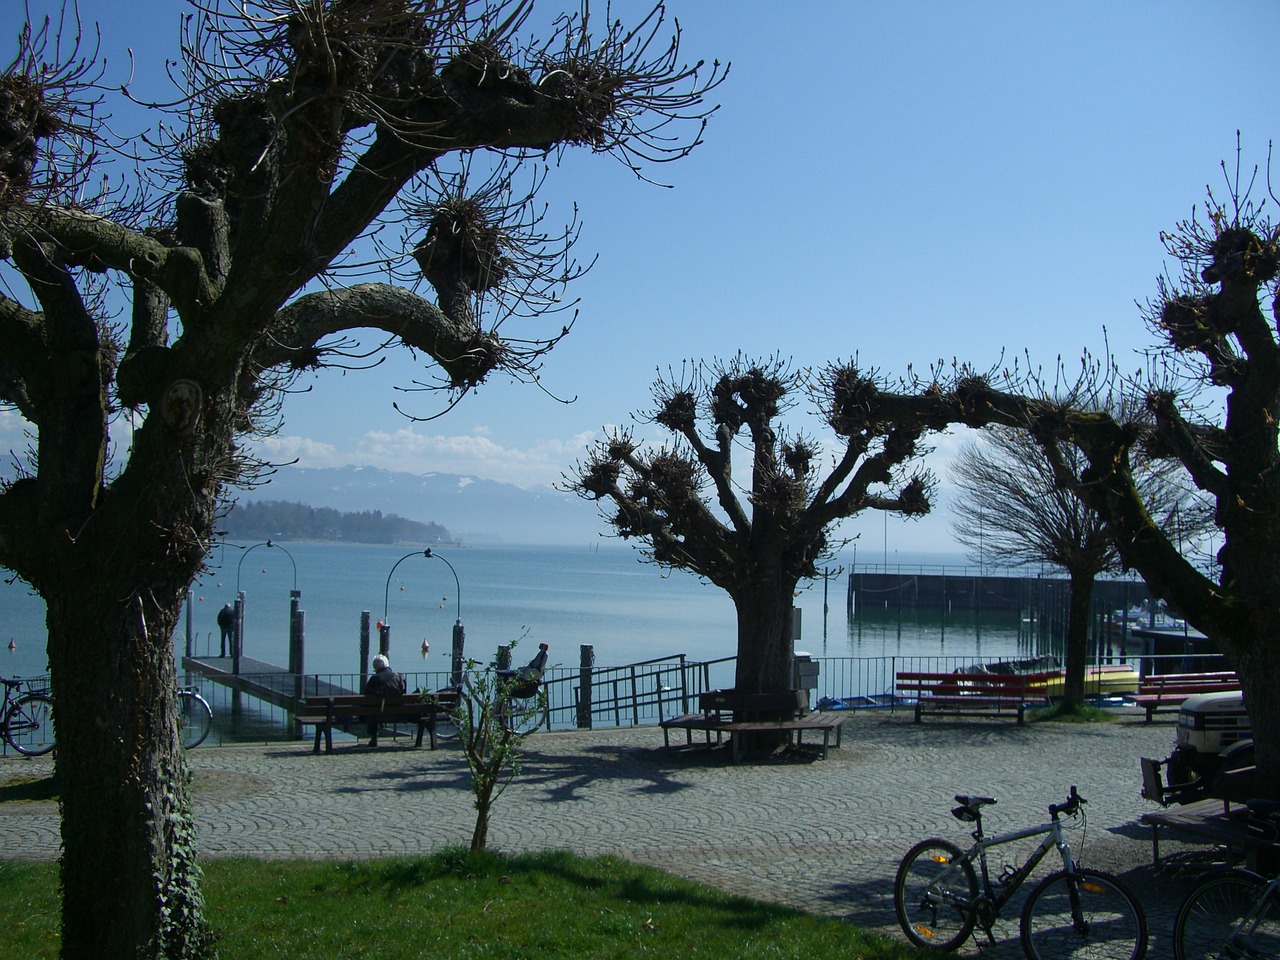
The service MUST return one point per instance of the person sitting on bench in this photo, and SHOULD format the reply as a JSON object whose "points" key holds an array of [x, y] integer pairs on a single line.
{"points": [[384, 682]]}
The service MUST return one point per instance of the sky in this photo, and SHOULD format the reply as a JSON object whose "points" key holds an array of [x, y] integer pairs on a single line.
{"points": [[900, 182]]}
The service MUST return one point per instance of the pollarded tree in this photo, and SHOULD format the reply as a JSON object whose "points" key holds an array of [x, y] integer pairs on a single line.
{"points": [[758, 537], [184, 305], [1011, 509], [1215, 411]]}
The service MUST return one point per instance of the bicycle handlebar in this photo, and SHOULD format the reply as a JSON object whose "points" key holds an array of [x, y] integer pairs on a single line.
{"points": [[1070, 808]]}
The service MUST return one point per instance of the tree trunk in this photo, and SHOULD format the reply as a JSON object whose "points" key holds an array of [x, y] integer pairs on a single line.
{"points": [[129, 872], [764, 648], [1259, 669], [1077, 651], [764, 638]]}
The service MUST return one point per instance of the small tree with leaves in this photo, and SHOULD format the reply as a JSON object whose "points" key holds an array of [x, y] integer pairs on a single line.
{"points": [[755, 535], [1011, 509], [493, 717]]}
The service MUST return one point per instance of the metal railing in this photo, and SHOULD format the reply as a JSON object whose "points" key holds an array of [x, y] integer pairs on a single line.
{"points": [[642, 693]]}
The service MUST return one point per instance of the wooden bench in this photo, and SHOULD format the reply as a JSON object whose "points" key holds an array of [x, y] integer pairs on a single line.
{"points": [[1167, 692], [725, 711], [423, 710], [998, 694], [1216, 821]]}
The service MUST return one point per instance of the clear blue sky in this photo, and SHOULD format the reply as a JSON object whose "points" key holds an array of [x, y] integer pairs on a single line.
{"points": [[906, 182]]}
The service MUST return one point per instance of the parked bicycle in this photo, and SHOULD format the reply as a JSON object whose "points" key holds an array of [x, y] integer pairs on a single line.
{"points": [[1234, 914], [195, 717], [27, 723], [517, 704], [942, 892]]}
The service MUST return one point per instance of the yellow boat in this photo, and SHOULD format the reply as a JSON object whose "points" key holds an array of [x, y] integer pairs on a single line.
{"points": [[1107, 679]]}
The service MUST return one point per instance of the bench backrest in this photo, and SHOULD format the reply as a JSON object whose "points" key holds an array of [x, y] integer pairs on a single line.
{"points": [[445, 699]]}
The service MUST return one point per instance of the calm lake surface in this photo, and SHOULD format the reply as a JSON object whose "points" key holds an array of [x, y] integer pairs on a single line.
{"points": [[603, 595]]}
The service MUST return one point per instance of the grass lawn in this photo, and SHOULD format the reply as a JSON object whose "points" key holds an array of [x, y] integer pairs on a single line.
{"points": [[457, 905]]}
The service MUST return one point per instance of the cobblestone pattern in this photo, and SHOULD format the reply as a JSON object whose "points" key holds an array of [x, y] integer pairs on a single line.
{"points": [[824, 836]]}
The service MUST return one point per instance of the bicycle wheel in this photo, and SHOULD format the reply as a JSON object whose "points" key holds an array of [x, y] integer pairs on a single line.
{"points": [[447, 727], [195, 718], [1091, 916], [932, 895], [1207, 921], [28, 726], [522, 716]]}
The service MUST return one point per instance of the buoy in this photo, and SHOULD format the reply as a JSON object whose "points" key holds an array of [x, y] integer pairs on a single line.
{"points": [[14, 646], [426, 648]]}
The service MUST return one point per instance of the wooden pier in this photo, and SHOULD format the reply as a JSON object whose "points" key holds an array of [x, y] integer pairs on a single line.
{"points": [[265, 681]]}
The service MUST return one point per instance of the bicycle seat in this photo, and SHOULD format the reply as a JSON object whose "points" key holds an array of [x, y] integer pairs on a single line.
{"points": [[970, 806], [10, 683]]}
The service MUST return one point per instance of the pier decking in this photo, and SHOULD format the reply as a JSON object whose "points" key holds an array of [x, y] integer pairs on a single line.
{"points": [[265, 681]]}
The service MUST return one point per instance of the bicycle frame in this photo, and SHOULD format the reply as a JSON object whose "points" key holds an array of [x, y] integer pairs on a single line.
{"points": [[998, 893]]}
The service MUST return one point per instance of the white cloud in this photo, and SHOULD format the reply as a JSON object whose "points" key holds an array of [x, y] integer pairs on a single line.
{"points": [[407, 451]]}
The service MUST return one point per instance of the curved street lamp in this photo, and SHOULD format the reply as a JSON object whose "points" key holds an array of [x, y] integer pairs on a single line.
{"points": [[456, 585], [386, 593], [268, 543]]}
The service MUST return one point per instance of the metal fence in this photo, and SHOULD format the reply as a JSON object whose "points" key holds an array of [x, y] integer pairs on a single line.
{"points": [[632, 694]]}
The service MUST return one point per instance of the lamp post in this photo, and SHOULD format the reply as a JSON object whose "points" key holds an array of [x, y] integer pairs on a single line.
{"points": [[293, 603], [268, 544], [386, 593], [457, 586], [459, 632]]}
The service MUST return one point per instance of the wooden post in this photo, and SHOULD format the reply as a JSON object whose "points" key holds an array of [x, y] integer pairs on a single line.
{"points": [[503, 661], [237, 642], [456, 656], [364, 645], [586, 661], [297, 641]]}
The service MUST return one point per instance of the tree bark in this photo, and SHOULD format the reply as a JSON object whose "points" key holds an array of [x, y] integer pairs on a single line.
{"points": [[129, 872], [765, 648], [1077, 647]]}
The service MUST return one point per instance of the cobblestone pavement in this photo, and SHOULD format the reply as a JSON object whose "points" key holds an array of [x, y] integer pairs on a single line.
{"points": [[824, 836]]}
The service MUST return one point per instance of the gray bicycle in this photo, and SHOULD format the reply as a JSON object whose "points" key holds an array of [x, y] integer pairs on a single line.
{"points": [[942, 892], [26, 720]]}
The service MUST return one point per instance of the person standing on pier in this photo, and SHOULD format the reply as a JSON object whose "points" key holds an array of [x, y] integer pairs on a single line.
{"points": [[227, 625], [384, 682]]}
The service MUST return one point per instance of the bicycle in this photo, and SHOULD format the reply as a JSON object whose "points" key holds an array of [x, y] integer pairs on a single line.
{"points": [[27, 723], [195, 717], [1234, 914], [939, 897], [510, 687]]}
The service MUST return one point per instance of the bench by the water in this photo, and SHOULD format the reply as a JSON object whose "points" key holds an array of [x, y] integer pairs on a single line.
{"points": [[424, 710], [996, 694], [1167, 692], [726, 711]]}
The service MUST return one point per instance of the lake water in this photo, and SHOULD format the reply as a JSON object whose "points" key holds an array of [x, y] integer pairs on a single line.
{"points": [[602, 595]]}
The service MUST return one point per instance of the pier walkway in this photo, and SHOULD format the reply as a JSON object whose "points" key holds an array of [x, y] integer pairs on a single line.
{"points": [[823, 836], [265, 681]]}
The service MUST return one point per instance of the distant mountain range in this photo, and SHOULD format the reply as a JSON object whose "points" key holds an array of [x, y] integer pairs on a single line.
{"points": [[474, 510]]}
